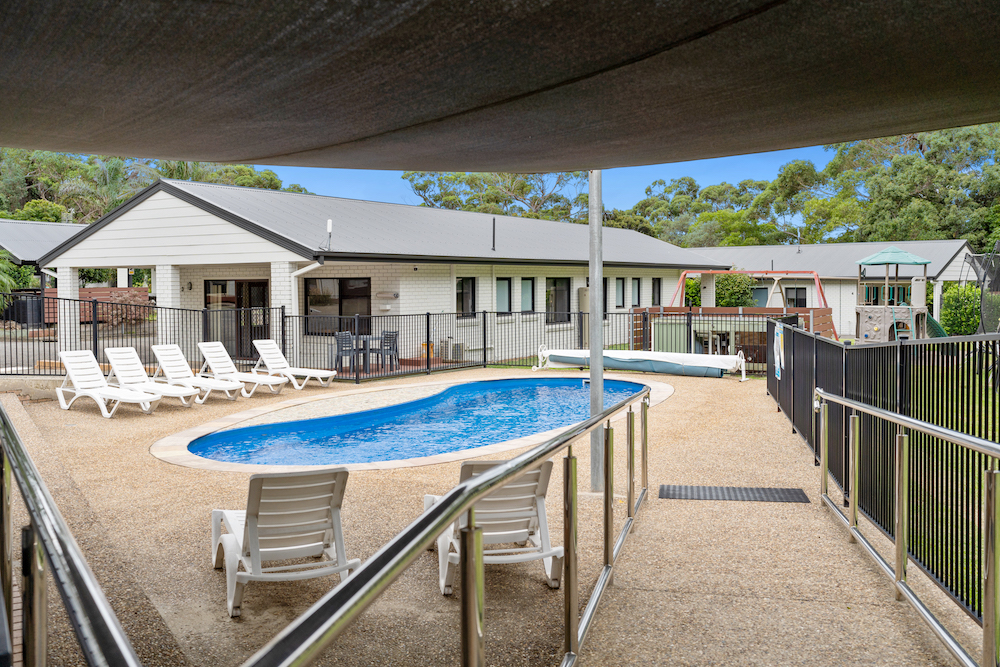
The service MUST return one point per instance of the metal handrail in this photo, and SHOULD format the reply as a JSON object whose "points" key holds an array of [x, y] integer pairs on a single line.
{"points": [[307, 636], [897, 572], [101, 637]]}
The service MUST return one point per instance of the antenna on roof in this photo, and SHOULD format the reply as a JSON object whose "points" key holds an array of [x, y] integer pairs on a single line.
{"points": [[329, 234], [494, 234]]}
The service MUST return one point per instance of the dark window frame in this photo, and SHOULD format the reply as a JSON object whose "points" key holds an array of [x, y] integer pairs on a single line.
{"points": [[510, 296], [636, 292], [621, 303], [465, 293], [556, 316], [531, 305], [342, 323], [800, 294], [657, 292]]}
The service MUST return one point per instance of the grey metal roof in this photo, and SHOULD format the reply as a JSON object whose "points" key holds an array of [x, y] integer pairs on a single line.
{"points": [[27, 240], [366, 230], [519, 86], [834, 260]]}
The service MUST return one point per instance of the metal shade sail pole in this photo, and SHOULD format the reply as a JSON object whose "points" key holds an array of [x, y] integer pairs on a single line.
{"points": [[596, 219]]}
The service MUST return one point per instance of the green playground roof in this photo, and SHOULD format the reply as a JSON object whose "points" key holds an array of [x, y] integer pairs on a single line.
{"points": [[892, 255]]}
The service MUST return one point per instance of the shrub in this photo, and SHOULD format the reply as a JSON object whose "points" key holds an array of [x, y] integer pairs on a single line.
{"points": [[733, 290], [124, 308], [692, 292], [960, 310]]}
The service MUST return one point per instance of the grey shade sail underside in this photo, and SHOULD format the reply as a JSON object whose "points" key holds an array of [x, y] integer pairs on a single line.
{"points": [[505, 86]]}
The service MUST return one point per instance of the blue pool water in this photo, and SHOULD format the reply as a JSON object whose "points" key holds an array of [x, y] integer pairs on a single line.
{"points": [[461, 417]]}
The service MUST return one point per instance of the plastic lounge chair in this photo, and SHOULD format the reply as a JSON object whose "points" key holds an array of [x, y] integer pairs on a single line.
{"points": [[389, 351], [221, 367], [276, 364], [87, 379], [289, 515], [514, 513], [128, 370], [174, 366]]}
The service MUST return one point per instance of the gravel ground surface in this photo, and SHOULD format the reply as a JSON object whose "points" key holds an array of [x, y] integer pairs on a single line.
{"points": [[699, 582]]}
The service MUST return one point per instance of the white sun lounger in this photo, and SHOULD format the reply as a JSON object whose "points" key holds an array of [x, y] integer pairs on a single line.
{"points": [[276, 364], [220, 366], [87, 379], [128, 370], [513, 513], [289, 515], [174, 366]]}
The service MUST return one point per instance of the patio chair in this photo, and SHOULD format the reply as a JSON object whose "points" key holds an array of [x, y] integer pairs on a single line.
{"points": [[389, 350], [345, 348], [276, 364], [130, 373], [221, 366], [289, 515], [87, 379], [514, 513], [174, 366]]}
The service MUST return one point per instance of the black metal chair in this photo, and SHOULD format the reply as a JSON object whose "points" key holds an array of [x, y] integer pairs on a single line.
{"points": [[345, 348], [389, 350]]}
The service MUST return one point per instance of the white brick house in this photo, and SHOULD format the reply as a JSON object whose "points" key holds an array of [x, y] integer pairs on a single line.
{"points": [[213, 246]]}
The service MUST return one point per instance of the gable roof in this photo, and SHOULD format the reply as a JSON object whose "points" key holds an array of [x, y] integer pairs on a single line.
{"points": [[28, 240], [375, 231], [835, 260]]}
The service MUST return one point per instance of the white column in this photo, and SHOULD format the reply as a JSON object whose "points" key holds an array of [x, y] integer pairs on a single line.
{"points": [[168, 329], [708, 290], [938, 289], [122, 278], [68, 311], [283, 294]]}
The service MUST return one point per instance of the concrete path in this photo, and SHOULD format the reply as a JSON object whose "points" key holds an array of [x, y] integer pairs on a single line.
{"points": [[700, 582]]}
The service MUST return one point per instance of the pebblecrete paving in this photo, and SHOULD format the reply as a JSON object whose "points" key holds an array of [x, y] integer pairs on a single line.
{"points": [[699, 582]]}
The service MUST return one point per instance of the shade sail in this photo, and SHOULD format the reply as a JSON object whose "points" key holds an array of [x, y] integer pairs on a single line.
{"points": [[892, 255], [507, 86]]}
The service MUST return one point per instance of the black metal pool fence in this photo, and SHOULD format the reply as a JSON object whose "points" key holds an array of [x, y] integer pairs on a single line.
{"points": [[35, 328], [949, 382]]}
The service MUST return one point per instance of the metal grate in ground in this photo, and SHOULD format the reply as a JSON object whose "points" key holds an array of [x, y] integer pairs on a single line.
{"points": [[733, 493]]}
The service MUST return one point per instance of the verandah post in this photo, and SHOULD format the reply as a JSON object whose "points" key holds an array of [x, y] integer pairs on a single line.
{"points": [[284, 333], [93, 326]]}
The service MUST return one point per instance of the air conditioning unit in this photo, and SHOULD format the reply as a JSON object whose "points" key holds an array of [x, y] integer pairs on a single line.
{"points": [[451, 350]]}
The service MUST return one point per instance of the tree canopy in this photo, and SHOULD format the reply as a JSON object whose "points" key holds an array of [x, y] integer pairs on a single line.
{"points": [[929, 185], [64, 187]]}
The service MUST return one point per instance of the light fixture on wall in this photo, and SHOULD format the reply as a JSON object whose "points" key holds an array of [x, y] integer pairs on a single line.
{"points": [[190, 287]]}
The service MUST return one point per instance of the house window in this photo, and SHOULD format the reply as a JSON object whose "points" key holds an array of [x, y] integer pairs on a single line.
{"points": [[503, 296], [657, 286], [796, 297], [556, 300], [619, 292], [465, 297], [527, 295], [636, 290], [333, 303]]}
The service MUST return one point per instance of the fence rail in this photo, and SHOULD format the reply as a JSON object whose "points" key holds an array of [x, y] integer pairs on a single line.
{"points": [[947, 386], [36, 328]]}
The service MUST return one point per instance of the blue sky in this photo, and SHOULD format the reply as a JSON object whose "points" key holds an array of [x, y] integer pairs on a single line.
{"points": [[622, 187]]}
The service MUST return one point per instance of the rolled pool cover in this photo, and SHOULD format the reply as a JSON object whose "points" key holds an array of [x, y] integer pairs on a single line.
{"points": [[670, 363]]}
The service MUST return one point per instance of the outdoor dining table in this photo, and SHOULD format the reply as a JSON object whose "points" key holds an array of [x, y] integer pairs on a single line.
{"points": [[364, 342]]}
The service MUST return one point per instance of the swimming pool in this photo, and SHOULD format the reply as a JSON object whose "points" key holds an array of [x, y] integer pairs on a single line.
{"points": [[461, 417]]}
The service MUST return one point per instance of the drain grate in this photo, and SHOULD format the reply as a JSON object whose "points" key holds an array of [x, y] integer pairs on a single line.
{"points": [[733, 493]]}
